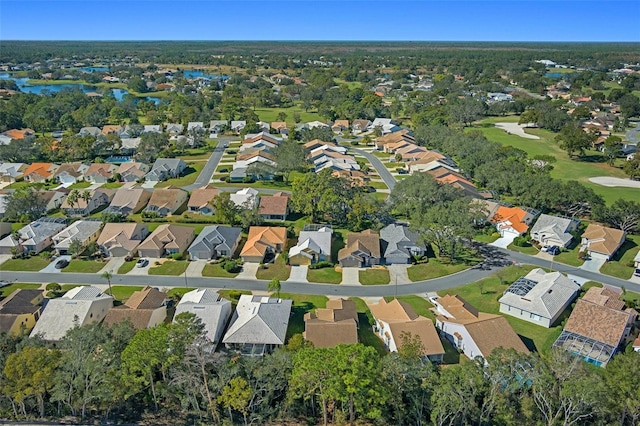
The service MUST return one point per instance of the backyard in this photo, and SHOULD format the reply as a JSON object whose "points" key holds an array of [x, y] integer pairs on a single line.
{"points": [[621, 265]]}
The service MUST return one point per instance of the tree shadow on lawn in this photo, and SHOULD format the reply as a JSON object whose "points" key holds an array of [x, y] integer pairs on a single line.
{"points": [[529, 343], [591, 158], [296, 319], [628, 245]]}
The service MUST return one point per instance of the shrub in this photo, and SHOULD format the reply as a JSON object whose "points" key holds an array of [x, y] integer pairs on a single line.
{"points": [[53, 287], [321, 265], [177, 256], [229, 265], [248, 179], [235, 294], [520, 241], [356, 142], [226, 179], [224, 170]]}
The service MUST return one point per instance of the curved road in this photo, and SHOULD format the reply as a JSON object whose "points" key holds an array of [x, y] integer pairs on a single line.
{"points": [[496, 259], [209, 169], [384, 173]]}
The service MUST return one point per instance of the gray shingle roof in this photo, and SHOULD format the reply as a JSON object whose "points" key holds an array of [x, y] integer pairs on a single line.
{"points": [[259, 320], [553, 227], [397, 239]]}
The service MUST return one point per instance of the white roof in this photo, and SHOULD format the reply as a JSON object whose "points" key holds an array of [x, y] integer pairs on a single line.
{"points": [[205, 304], [245, 196], [318, 241], [80, 230], [259, 320], [547, 296]]}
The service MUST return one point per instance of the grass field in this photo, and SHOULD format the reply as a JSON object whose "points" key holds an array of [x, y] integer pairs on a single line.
{"points": [[374, 277], [324, 275], [85, 266], [592, 165], [126, 267], [7, 290], [434, 269], [215, 270], [35, 263], [484, 296], [618, 266], [169, 267], [189, 176], [270, 115], [279, 269], [123, 292]]}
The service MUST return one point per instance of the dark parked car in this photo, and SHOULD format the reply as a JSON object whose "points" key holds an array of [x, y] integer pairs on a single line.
{"points": [[637, 272], [554, 250], [62, 263]]}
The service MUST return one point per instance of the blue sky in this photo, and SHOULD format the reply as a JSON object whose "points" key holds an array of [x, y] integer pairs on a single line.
{"points": [[415, 20]]}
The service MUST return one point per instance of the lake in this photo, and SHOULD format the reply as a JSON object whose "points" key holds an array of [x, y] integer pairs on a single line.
{"points": [[196, 74], [39, 89]]}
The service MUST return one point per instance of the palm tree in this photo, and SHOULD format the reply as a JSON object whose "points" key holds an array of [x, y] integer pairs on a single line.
{"points": [[275, 287], [72, 198], [107, 275]]}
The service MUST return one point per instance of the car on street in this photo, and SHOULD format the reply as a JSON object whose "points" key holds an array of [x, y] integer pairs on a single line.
{"points": [[141, 263], [62, 263], [637, 272], [553, 250], [4, 283]]}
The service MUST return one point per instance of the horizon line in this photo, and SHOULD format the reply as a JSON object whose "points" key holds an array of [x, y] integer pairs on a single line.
{"points": [[314, 41]]}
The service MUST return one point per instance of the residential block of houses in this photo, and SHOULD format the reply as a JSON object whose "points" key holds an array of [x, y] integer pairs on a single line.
{"points": [[167, 239], [122, 239]]}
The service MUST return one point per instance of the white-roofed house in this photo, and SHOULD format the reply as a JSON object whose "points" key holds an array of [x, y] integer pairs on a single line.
{"points": [[246, 198], [554, 230], [165, 168], [213, 311], [79, 306], [83, 231], [539, 297], [259, 325], [314, 245]]}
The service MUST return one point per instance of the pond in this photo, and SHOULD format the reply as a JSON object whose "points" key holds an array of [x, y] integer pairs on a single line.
{"points": [[196, 74], [94, 69], [39, 89]]}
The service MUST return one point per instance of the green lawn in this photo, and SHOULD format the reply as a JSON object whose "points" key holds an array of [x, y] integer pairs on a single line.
{"points": [[34, 263], [621, 265], [26, 184], [302, 303], [434, 269], [486, 238], [81, 185], [123, 292], [215, 270], [189, 176], [126, 267], [169, 267], [564, 168], [279, 269], [112, 185], [529, 249], [85, 266], [374, 277], [271, 114], [570, 257], [484, 296], [365, 330], [324, 275], [377, 185], [7, 290]]}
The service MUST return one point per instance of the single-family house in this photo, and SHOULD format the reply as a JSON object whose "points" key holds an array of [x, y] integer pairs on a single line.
{"points": [[217, 126], [200, 200], [315, 144], [258, 156], [111, 129], [70, 173], [598, 325], [472, 332], [5, 228], [128, 146], [246, 198], [238, 125], [263, 126], [122, 239], [81, 206], [274, 207], [152, 128], [360, 125], [83, 231], [263, 241], [396, 324], [312, 125], [258, 325], [100, 172], [90, 131], [280, 127], [15, 134], [79, 306], [602, 242], [40, 172], [399, 244], [19, 311], [34, 237], [262, 141], [165, 168], [128, 199], [214, 242], [132, 172], [553, 230], [213, 311], [314, 245], [53, 199], [336, 324], [166, 240], [340, 126], [166, 201], [10, 172], [145, 308], [195, 126], [386, 125], [174, 128], [539, 297], [362, 249], [512, 221]]}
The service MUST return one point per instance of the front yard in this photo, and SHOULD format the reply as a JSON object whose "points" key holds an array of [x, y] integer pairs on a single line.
{"points": [[31, 264], [278, 269], [7, 290], [374, 277], [123, 292], [215, 270], [126, 267], [169, 267], [188, 176], [436, 268], [324, 275], [621, 266], [84, 266]]}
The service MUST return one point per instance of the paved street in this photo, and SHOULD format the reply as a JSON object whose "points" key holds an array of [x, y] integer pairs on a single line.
{"points": [[209, 169], [384, 173], [496, 258]]}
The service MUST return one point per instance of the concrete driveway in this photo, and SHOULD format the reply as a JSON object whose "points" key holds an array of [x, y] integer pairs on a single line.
{"points": [[398, 274], [149, 184], [503, 242], [195, 267], [593, 264], [350, 276], [142, 271], [299, 274], [112, 265], [249, 271], [51, 267]]}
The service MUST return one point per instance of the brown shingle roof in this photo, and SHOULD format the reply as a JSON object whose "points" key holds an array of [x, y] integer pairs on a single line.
{"points": [[493, 333], [274, 205], [605, 240], [395, 310], [368, 241], [334, 325], [261, 237], [102, 169], [200, 197], [162, 197], [605, 296]]}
